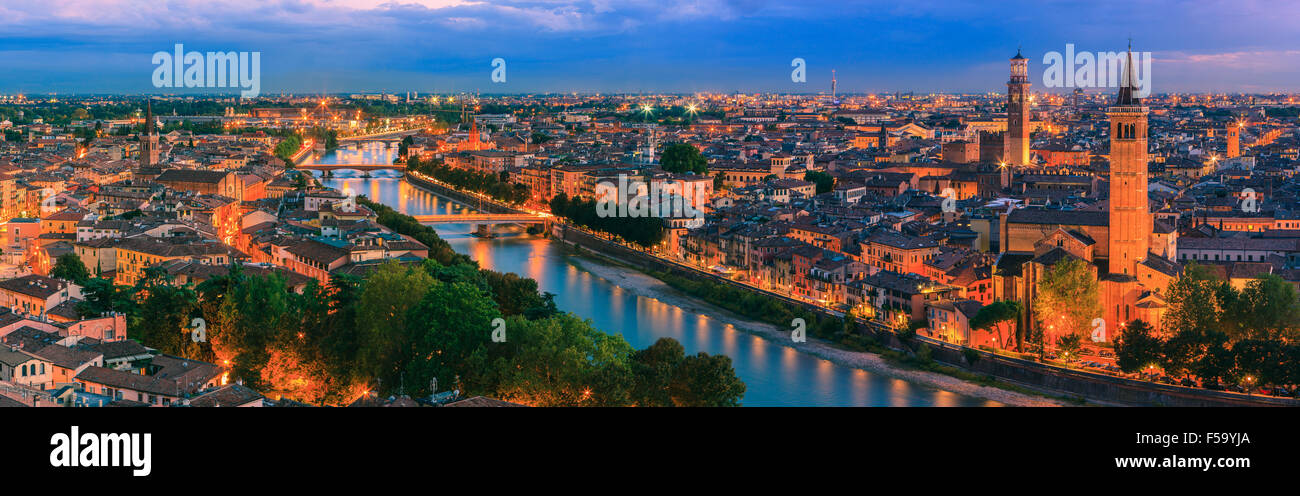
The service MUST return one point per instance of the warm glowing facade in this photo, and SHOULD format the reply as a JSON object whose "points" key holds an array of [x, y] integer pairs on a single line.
{"points": [[1233, 134]]}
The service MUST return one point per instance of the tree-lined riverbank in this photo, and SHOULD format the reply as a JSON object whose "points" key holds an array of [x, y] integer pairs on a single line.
{"points": [[774, 374]]}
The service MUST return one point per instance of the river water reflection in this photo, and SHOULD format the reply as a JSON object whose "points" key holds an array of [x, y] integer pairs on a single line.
{"points": [[775, 375]]}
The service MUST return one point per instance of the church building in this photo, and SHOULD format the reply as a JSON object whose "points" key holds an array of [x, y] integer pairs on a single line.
{"points": [[1128, 251]]}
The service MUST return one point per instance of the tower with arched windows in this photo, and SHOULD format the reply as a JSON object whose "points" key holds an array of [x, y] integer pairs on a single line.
{"points": [[1233, 134], [1015, 143], [1130, 216], [149, 140]]}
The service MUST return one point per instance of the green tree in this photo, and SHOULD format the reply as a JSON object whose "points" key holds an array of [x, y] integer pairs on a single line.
{"points": [[706, 380], [825, 182], [683, 157], [1068, 345], [165, 314], [1068, 298], [69, 268], [563, 361], [559, 204], [246, 315], [1197, 343], [288, 146], [101, 297], [1268, 362], [1266, 309], [1193, 300], [995, 315], [339, 340], [1137, 347], [653, 369], [663, 375], [645, 231], [386, 300], [449, 331], [405, 145]]}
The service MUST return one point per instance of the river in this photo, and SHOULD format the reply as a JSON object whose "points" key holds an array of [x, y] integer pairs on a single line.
{"points": [[775, 375]]}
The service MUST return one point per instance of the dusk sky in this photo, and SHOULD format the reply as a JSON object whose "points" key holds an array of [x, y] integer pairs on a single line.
{"points": [[329, 46]]}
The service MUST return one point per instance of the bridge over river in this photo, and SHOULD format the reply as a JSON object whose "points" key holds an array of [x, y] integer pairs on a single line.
{"points": [[483, 222], [400, 166]]}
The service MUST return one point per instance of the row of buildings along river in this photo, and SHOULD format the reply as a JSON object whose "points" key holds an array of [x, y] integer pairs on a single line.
{"points": [[775, 374]]}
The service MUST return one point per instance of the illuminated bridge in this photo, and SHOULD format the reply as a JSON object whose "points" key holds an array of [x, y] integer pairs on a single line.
{"points": [[481, 219], [384, 136], [360, 167], [483, 222]]}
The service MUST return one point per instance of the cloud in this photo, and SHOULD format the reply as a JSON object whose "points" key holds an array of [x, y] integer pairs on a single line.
{"points": [[634, 45], [1242, 60]]}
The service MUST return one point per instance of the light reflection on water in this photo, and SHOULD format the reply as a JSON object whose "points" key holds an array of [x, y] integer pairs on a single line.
{"points": [[775, 375]]}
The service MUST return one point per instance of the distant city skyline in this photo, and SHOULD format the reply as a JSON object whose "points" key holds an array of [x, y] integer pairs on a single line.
{"points": [[665, 46]]}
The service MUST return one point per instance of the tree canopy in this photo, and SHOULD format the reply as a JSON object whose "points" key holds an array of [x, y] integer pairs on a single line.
{"points": [[70, 268], [825, 182], [1068, 298], [401, 327], [1215, 332], [683, 157], [1137, 347], [645, 231], [995, 315]]}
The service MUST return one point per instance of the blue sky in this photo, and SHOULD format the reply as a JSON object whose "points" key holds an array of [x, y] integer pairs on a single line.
{"points": [[327, 46]]}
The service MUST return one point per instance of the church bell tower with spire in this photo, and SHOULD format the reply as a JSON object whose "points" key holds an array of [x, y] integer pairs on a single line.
{"points": [[149, 141], [1130, 216]]}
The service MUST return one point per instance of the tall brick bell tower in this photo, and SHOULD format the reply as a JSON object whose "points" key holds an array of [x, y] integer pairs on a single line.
{"points": [[1015, 143], [1130, 218], [149, 141], [1233, 134]]}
